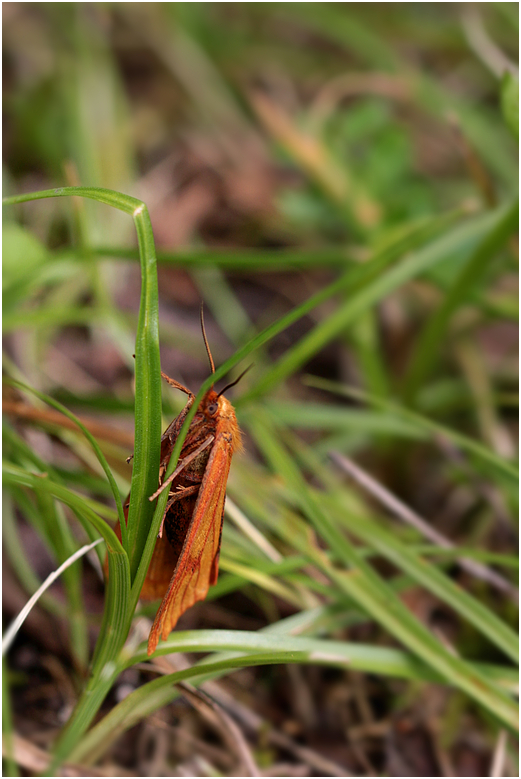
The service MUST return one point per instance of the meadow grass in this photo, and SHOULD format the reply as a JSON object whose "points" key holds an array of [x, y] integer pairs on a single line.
{"points": [[386, 246]]}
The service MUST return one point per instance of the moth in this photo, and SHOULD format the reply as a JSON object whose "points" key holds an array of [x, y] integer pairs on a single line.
{"points": [[185, 560]]}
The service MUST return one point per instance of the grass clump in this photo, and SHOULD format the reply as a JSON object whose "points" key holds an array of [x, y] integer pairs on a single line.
{"points": [[348, 216]]}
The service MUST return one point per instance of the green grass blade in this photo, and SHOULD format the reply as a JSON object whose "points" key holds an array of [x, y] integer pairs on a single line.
{"points": [[15, 475], [7, 725], [427, 575], [109, 197], [263, 647], [115, 621], [510, 103], [406, 559], [332, 417], [145, 469], [361, 657], [485, 454], [115, 617], [17, 556], [99, 454], [148, 391], [434, 334], [361, 583], [255, 260], [460, 241]]}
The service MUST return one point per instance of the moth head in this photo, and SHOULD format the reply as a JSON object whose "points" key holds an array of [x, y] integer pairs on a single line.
{"points": [[211, 404]]}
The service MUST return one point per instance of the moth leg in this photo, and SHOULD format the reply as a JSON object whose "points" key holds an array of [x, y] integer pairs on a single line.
{"points": [[183, 465], [183, 492]]}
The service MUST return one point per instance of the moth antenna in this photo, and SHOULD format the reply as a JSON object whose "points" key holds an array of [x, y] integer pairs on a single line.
{"points": [[177, 385], [208, 352], [233, 383]]}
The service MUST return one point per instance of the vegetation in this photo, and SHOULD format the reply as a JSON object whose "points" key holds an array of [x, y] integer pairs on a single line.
{"points": [[338, 184]]}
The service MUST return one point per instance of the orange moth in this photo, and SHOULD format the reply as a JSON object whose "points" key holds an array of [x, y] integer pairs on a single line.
{"points": [[185, 560]]}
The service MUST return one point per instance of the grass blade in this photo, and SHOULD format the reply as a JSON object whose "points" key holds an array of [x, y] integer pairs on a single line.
{"points": [[15, 626]]}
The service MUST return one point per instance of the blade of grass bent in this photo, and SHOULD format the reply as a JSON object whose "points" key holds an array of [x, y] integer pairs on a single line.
{"points": [[263, 647], [15, 626], [367, 658], [145, 470], [148, 389], [158, 693]]}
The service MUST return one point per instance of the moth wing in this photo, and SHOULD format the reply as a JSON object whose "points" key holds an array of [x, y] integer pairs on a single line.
{"points": [[160, 570], [197, 566], [162, 563]]}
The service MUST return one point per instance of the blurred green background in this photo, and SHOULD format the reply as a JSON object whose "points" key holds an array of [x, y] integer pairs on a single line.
{"points": [[279, 146]]}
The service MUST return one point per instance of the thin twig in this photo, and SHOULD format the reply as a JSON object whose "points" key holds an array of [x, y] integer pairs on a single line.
{"points": [[406, 514], [252, 721], [482, 44], [500, 754], [227, 727]]}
